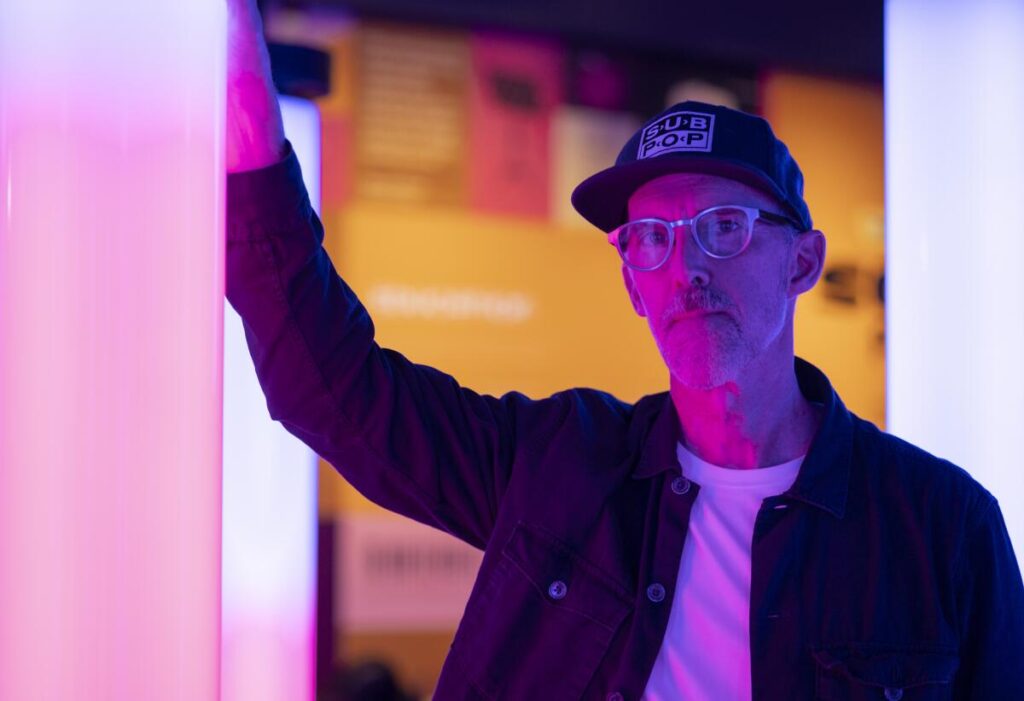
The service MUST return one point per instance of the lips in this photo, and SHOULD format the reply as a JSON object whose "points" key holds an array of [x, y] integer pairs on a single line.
{"points": [[696, 313]]}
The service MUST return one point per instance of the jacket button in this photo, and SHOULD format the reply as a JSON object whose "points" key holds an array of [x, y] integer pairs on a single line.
{"points": [[893, 694], [615, 696], [680, 485], [656, 592], [558, 590]]}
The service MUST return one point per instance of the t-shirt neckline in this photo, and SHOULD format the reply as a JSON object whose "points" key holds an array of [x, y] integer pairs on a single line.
{"points": [[713, 476]]}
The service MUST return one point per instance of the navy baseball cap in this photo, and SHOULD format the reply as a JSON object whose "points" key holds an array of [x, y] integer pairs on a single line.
{"points": [[694, 137]]}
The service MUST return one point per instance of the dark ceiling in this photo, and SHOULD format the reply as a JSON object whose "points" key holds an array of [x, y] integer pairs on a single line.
{"points": [[834, 37]]}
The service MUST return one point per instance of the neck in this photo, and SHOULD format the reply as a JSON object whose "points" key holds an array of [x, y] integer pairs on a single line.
{"points": [[757, 419]]}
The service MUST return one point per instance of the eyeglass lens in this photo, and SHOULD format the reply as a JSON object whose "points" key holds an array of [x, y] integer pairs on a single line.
{"points": [[721, 232]]}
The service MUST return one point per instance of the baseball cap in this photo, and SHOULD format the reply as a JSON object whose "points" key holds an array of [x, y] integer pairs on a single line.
{"points": [[695, 137]]}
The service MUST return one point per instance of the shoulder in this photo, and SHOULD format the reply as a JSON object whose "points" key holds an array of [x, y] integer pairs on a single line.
{"points": [[908, 471], [579, 405], [584, 422], [581, 402]]}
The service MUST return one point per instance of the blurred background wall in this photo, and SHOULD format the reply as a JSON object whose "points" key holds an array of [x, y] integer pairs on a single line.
{"points": [[453, 134]]}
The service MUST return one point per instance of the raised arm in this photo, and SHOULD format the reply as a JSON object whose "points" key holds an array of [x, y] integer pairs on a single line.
{"points": [[407, 436]]}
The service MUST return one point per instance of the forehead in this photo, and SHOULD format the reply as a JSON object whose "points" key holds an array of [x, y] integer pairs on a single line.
{"points": [[685, 193]]}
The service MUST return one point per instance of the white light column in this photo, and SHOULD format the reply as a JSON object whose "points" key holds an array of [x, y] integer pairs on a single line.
{"points": [[270, 509], [111, 313], [954, 106]]}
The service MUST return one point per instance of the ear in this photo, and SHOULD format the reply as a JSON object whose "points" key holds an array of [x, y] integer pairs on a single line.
{"points": [[807, 261], [634, 296]]}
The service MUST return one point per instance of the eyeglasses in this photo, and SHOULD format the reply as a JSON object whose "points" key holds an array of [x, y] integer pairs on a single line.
{"points": [[721, 232]]}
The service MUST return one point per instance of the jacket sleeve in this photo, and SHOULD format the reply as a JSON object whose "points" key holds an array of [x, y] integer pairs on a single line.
{"points": [[405, 435], [990, 598]]}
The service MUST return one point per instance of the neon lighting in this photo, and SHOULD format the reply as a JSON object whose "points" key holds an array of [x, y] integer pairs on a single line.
{"points": [[111, 289], [270, 510], [954, 97]]}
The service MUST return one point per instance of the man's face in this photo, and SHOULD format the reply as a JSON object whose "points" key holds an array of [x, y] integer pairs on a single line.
{"points": [[710, 317]]}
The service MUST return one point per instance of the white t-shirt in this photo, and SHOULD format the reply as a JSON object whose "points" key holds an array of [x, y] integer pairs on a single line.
{"points": [[705, 655]]}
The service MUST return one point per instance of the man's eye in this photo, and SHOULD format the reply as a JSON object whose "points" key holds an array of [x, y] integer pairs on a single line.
{"points": [[655, 237]]}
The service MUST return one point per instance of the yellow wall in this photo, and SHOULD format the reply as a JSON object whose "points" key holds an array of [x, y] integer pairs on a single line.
{"points": [[834, 129], [573, 325]]}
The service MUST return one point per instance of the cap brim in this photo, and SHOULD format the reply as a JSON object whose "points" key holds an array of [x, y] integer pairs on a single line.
{"points": [[603, 197]]}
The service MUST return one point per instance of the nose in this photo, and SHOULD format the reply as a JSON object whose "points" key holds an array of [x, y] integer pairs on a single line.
{"points": [[687, 262]]}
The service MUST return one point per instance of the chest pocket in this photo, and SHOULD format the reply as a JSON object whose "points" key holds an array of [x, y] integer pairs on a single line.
{"points": [[540, 622], [863, 672]]}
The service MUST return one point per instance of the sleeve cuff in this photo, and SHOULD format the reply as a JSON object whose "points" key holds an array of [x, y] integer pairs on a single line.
{"points": [[267, 200]]}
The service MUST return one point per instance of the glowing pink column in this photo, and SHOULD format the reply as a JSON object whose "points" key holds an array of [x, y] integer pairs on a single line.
{"points": [[111, 312], [270, 509]]}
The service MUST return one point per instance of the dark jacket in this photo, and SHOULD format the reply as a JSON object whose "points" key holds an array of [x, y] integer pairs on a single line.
{"points": [[884, 572]]}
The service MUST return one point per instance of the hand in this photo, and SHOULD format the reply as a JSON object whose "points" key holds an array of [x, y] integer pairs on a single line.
{"points": [[255, 132]]}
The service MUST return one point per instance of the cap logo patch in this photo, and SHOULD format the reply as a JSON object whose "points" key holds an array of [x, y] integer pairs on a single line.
{"points": [[680, 131]]}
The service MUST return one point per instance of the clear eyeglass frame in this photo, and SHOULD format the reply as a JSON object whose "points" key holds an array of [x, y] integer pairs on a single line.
{"points": [[752, 214]]}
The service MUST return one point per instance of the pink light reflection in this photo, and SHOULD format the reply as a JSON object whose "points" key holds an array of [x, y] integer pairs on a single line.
{"points": [[111, 281]]}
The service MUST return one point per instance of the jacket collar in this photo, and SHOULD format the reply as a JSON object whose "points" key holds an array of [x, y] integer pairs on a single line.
{"points": [[825, 473]]}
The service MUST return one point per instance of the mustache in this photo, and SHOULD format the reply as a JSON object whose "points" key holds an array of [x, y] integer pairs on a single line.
{"points": [[696, 299]]}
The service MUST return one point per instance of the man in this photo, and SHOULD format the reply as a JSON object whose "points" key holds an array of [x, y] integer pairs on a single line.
{"points": [[742, 535]]}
